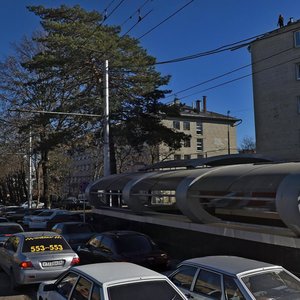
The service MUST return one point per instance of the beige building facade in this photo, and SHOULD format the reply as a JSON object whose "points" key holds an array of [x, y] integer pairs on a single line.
{"points": [[210, 133], [276, 89]]}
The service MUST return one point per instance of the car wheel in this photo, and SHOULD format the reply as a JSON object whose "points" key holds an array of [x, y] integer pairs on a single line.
{"points": [[13, 283]]}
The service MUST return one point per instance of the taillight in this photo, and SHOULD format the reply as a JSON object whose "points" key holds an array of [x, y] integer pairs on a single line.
{"points": [[26, 265], [7, 234], [75, 261]]}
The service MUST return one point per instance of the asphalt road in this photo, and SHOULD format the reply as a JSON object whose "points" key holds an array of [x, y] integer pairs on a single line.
{"points": [[27, 292]]}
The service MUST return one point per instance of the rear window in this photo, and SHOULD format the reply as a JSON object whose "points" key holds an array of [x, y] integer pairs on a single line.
{"points": [[78, 228], [132, 244], [10, 229], [158, 290], [45, 243]]}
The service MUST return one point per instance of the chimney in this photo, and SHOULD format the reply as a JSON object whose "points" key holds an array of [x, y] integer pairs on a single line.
{"points": [[198, 105], [204, 103], [176, 101]]}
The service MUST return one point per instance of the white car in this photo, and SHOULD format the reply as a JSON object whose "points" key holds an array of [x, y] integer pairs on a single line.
{"points": [[110, 281], [234, 278], [34, 204], [40, 221]]}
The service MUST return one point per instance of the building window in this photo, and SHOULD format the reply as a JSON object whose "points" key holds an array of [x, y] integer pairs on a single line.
{"points": [[200, 156], [176, 124], [187, 156], [199, 128], [186, 125], [298, 71], [199, 144], [297, 39], [187, 143], [177, 157]]}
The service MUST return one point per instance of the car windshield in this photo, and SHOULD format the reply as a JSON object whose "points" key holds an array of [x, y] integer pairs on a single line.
{"points": [[131, 244], [44, 243], [10, 229], [277, 284], [78, 228], [158, 290], [36, 212]]}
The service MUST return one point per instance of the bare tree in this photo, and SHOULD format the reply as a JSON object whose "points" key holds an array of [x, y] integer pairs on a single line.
{"points": [[247, 145]]}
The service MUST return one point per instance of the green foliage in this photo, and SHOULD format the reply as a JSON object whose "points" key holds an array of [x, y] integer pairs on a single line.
{"points": [[62, 70]]}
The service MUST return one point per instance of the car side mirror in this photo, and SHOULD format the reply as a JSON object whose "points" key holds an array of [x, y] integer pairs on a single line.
{"points": [[49, 287]]}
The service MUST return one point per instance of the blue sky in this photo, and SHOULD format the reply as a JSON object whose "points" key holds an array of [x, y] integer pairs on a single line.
{"points": [[203, 25]]}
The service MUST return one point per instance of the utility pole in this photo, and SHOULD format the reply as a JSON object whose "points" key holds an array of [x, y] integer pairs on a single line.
{"points": [[106, 148], [30, 171], [228, 133]]}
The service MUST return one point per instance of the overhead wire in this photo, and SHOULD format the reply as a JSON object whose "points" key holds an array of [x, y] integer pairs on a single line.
{"points": [[239, 78], [229, 72], [106, 17], [133, 14], [139, 20], [166, 19], [104, 13]]}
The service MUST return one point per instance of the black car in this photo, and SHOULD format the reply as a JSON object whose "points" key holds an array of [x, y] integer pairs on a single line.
{"points": [[124, 245], [18, 214], [75, 233], [67, 217]]}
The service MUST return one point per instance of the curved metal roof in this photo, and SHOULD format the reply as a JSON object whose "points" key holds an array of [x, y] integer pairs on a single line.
{"points": [[220, 160]]}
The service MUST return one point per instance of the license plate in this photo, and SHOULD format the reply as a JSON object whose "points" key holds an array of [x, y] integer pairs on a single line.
{"points": [[53, 263]]}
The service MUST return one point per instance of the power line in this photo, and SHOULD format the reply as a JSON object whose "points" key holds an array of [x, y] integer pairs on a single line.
{"points": [[107, 16], [136, 11], [55, 113], [166, 19], [228, 73], [139, 20], [201, 54], [108, 6], [239, 78]]}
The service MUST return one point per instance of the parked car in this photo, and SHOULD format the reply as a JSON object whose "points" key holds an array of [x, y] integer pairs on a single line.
{"points": [[6, 209], [66, 217], [75, 233], [234, 278], [124, 245], [17, 214], [110, 281], [70, 203], [3, 220], [32, 257], [40, 221], [29, 214], [7, 229], [34, 204]]}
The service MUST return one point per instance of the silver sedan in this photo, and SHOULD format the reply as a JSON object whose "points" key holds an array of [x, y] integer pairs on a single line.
{"points": [[33, 257], [234, 278]]}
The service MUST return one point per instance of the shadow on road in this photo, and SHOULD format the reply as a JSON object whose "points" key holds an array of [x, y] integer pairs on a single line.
{"points": [[25, 292]]}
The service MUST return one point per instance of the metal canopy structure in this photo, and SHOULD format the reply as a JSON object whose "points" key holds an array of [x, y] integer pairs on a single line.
{"points": [[256, 186]]}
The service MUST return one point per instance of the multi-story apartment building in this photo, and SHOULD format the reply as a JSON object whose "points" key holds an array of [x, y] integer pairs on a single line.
{"points": [[210, 133], [276, 88]]}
